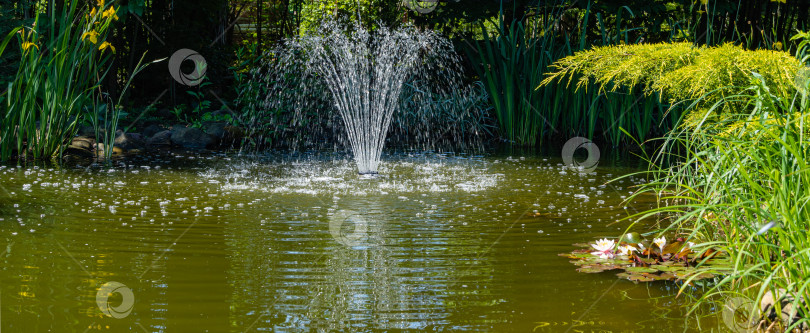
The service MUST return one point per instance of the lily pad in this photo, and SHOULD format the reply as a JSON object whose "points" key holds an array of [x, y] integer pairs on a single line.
{"points": [[645, 260], [639, 278], [656, 277], [667, 263], [631, 238], [590, 269], [652, 265], [669, 268], [641, 270]]}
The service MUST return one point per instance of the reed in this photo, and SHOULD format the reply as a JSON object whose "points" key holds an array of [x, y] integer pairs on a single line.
{"points": [[514, 60], [64, 57], [512, 64]]}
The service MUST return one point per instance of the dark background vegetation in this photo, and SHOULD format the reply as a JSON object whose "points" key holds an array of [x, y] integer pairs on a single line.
{"points": [[230, 34]]}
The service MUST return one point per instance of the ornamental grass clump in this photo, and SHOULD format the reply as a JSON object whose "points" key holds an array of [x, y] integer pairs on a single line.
{"points": [[64, 57], [745, 189]]}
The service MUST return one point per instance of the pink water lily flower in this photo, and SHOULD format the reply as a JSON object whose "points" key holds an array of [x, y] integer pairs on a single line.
{"points": [[604, 248]]}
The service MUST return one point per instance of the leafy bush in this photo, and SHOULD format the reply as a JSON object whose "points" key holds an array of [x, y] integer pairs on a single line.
{"points": [[679, 72]]}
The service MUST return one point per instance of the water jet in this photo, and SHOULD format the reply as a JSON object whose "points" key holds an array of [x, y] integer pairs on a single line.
{"points": [[364, 72]]}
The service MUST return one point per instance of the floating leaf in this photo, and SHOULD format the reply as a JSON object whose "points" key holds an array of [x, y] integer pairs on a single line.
{"points": [[590, 269], [653, 266], [673, 248], [668, 263], [631, 238], [639, 278], [581, 262], [656, 277], [644, 261], [641, 270], [668, 268]]}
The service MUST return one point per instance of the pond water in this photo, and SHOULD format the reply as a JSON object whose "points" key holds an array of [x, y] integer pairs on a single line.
{"points": [[292, 243]]}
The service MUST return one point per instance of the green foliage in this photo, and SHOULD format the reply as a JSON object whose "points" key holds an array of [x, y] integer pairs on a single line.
{"points": [[10, 18], [368, 12], [513, 63], [63, 58], [428, 119], [270, 112], [803, 48], [742, 184], [511, 66], [201, 104], [677, 71]]}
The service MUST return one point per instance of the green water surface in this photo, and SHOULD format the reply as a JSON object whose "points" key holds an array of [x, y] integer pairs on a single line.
{"points": [[219, 243]]}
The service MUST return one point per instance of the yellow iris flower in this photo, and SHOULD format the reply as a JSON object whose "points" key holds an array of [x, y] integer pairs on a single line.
{"points": [[92, 34], [106, 45], [27, 45], [110, 12], [100, 3]]}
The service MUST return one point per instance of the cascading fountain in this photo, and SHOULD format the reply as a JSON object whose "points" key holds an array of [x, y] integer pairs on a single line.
{"points": [[364, 71]]}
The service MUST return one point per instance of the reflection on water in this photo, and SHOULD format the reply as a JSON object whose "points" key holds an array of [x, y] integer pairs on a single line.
{"points": [[231, 244]]}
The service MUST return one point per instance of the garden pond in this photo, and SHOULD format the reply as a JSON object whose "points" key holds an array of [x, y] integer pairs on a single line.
{"points": [[213, 242]]}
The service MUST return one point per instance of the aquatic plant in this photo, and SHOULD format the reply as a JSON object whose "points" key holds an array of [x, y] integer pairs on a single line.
{"points": [[513, 59], [64, 58], [512, 64], [660, 242], [604, 248], [675, 261], [429, 120]]}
